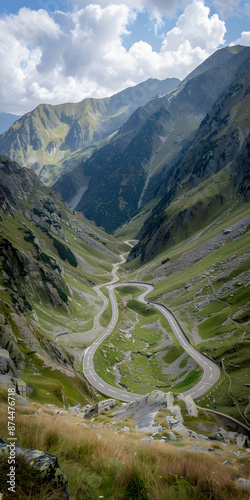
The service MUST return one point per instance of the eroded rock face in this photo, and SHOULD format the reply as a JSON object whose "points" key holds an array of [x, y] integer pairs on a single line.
{"points": [[146, 404], [6, 364], [9, 376], [45, 464], [8, 342]]}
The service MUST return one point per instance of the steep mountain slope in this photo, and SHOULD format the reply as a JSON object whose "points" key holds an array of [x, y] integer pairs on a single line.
{"points": [[194, 248], [47, 135], [50, 258], [122, 176], [115, 175], [221, 144]]}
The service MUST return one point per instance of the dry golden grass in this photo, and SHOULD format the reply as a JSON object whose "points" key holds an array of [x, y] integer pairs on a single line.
{"points": [[100, 462]]}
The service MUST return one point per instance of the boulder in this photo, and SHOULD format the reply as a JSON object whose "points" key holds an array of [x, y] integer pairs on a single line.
{"points": [[98, 407], [243, 483], [176, 412], [146, 440], [195, 435], [190, 404], [242, 440], [179, 428], [172, 436], [45, 464], [217, 436], [106, 405]]}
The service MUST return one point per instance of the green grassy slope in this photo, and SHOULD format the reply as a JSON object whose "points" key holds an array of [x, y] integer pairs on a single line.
{"points": [[204, 279], [50, 260]]}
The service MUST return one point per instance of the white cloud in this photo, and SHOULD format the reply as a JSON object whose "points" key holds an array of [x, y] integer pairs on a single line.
{"points": [[243, 40], [77, 54], [31, 24], [195, 26]]}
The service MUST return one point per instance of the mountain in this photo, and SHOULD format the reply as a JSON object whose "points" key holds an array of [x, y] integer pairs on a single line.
{"points": [[43, 138], [50, 259], [194, 246], [121, 177], [192, 188], [6, 120]]}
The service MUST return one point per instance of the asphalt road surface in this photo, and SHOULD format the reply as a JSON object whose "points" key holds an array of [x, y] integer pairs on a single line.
{"points": [[210, 369]]}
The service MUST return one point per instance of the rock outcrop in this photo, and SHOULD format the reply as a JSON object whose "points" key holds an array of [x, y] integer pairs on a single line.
{"points": [[45, 464], [106, 405], [9, 376], [146, 404]]}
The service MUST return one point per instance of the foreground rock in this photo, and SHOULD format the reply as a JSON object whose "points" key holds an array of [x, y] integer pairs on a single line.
{"points": [[243, 483], [46, 465]]}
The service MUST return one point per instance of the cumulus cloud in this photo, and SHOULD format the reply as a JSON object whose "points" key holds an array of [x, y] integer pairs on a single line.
{"points": [[77, 54], [243, 40], [195, 26]]}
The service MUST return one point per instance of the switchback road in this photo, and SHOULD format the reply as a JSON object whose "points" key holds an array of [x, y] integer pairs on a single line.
{"points": [[211, 371]]}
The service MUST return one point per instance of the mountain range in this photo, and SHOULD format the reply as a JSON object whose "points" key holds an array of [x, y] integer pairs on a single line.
{"points": [[43, 138], [110, 157], [163, 163]]}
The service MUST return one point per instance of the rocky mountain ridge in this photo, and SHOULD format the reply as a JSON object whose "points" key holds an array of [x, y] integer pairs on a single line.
{"points": [[49, 134], [221, 143], [126, 173]]}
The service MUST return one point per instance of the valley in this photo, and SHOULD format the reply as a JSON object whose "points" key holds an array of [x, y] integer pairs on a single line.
{"points": [[125, 273]]}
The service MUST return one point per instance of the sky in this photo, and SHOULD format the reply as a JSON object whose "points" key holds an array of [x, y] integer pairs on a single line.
{"points": [[56, 51]]}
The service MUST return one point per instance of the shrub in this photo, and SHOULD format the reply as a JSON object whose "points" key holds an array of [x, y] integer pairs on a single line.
{"points": [[65, 253]]}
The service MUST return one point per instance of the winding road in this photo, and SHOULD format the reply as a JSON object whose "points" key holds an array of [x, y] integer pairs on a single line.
{"points": [[211, 371]]}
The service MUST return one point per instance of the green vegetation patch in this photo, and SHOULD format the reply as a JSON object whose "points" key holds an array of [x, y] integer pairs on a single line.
{"points": [[213, 307], [214, 325], [191, 379], [140, 308], [53, 386], [65, 253], [173, 353], [134, 348]]}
